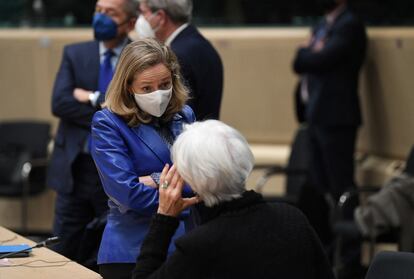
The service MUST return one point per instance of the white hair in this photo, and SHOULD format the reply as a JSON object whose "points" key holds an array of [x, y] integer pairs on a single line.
{"points": [[215, 159], [179, 11], [131, 7]]}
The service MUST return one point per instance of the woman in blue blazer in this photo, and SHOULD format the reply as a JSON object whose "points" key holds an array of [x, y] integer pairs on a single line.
{"points": [[143, 113]]}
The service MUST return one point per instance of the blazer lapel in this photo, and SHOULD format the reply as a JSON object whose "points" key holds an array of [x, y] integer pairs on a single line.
{"points": [[176, 125], [337, 20], [92, 63], [154, 142]]}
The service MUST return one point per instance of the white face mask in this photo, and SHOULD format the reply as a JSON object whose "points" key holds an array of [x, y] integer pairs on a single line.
{"points": [[143, 28], [154, 103]]}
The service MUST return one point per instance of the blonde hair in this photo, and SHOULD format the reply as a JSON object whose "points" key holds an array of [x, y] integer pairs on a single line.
{"points": [[135, 58]]}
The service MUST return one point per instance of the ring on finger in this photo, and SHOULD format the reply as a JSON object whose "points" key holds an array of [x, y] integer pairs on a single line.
{"points": [[164, 185]]}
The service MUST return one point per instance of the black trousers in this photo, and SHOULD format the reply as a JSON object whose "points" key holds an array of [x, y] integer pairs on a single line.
{"points": [[116, 270], [332, 158], [74, 211], [331, 168]]}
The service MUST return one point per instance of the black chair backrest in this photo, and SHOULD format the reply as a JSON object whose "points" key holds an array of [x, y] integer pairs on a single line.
{"points": [[31, 135], [12, 159], [298, 163], [409, 166], [392, 265]]}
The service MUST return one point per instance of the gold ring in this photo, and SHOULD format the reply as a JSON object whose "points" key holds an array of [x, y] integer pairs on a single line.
{"points": [[164, 185]]}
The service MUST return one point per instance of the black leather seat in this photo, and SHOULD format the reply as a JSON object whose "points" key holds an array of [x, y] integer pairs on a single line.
{"points": [[23, 161], [392, 265]]}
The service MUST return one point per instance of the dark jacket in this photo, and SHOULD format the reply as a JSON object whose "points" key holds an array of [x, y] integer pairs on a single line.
{"points": [[79, 68], [332, 74], [243, 238], [202, 70]]}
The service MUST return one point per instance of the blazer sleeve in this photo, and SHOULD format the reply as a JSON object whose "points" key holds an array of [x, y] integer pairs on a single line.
{"points": [[321, 264], [115, 166], [152, 261], [64, 104], [101, 100], [338, 48]]}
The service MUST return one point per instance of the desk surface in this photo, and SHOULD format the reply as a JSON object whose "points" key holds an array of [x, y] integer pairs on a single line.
{"points": [[42, 264]]}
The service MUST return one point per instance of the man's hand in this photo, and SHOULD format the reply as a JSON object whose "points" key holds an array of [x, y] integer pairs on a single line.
{"points": [[306, 43], [319, 45], [82, 95]]}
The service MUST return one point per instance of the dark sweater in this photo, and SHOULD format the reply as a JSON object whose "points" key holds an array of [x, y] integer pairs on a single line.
{"points": [[243, 238]]}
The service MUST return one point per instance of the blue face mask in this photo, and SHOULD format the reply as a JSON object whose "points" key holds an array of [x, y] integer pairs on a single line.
{"points": [[104, 27]]}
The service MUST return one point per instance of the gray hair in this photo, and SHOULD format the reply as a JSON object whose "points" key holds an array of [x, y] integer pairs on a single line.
{"points": [[179, 11], [131, 7], [215, 159]]}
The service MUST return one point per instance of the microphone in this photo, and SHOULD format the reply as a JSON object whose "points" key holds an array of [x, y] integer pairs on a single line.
{"points": [[50, 241], [45, 243]]}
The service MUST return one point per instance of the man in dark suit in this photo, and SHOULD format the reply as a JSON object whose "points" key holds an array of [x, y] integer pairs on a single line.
{"points": [[81, 82], [201, 66], [327, 97]]}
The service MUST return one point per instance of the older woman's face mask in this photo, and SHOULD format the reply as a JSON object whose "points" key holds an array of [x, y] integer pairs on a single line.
{"points": [[152, 89]]}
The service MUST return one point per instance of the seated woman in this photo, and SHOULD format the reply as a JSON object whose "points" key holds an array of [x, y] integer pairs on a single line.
{"points": [[241, 236], [143, 113]]}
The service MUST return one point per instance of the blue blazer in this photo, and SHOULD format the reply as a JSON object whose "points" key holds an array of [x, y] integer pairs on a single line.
{"points": [[122, 154], [202, 70]]}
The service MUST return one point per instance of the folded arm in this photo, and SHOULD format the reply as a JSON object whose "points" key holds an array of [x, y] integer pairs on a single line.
{"points": [[119, 178], [64, 103], [335, 50]]}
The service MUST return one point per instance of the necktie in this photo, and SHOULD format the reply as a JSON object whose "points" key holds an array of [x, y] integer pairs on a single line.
{"points": [[105, 71], [320, 34], [105, 76]]}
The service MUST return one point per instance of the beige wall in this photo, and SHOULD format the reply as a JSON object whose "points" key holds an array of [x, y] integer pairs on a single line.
{"points": [[258, 81], [388, 93]]}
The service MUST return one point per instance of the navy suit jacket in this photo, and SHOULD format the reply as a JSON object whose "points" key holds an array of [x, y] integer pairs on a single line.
{"points": [[202, 70], [122, 154], [333, 74], [79, 69]]}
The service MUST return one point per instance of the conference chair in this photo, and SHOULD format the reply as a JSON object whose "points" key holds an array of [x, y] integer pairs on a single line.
{"points": [[23, 161], [295, 171], [392, 265], [346, 229]]}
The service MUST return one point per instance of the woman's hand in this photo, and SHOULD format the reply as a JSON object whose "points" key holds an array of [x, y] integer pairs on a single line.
{"points": [[171, 202], [147, 180]]}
